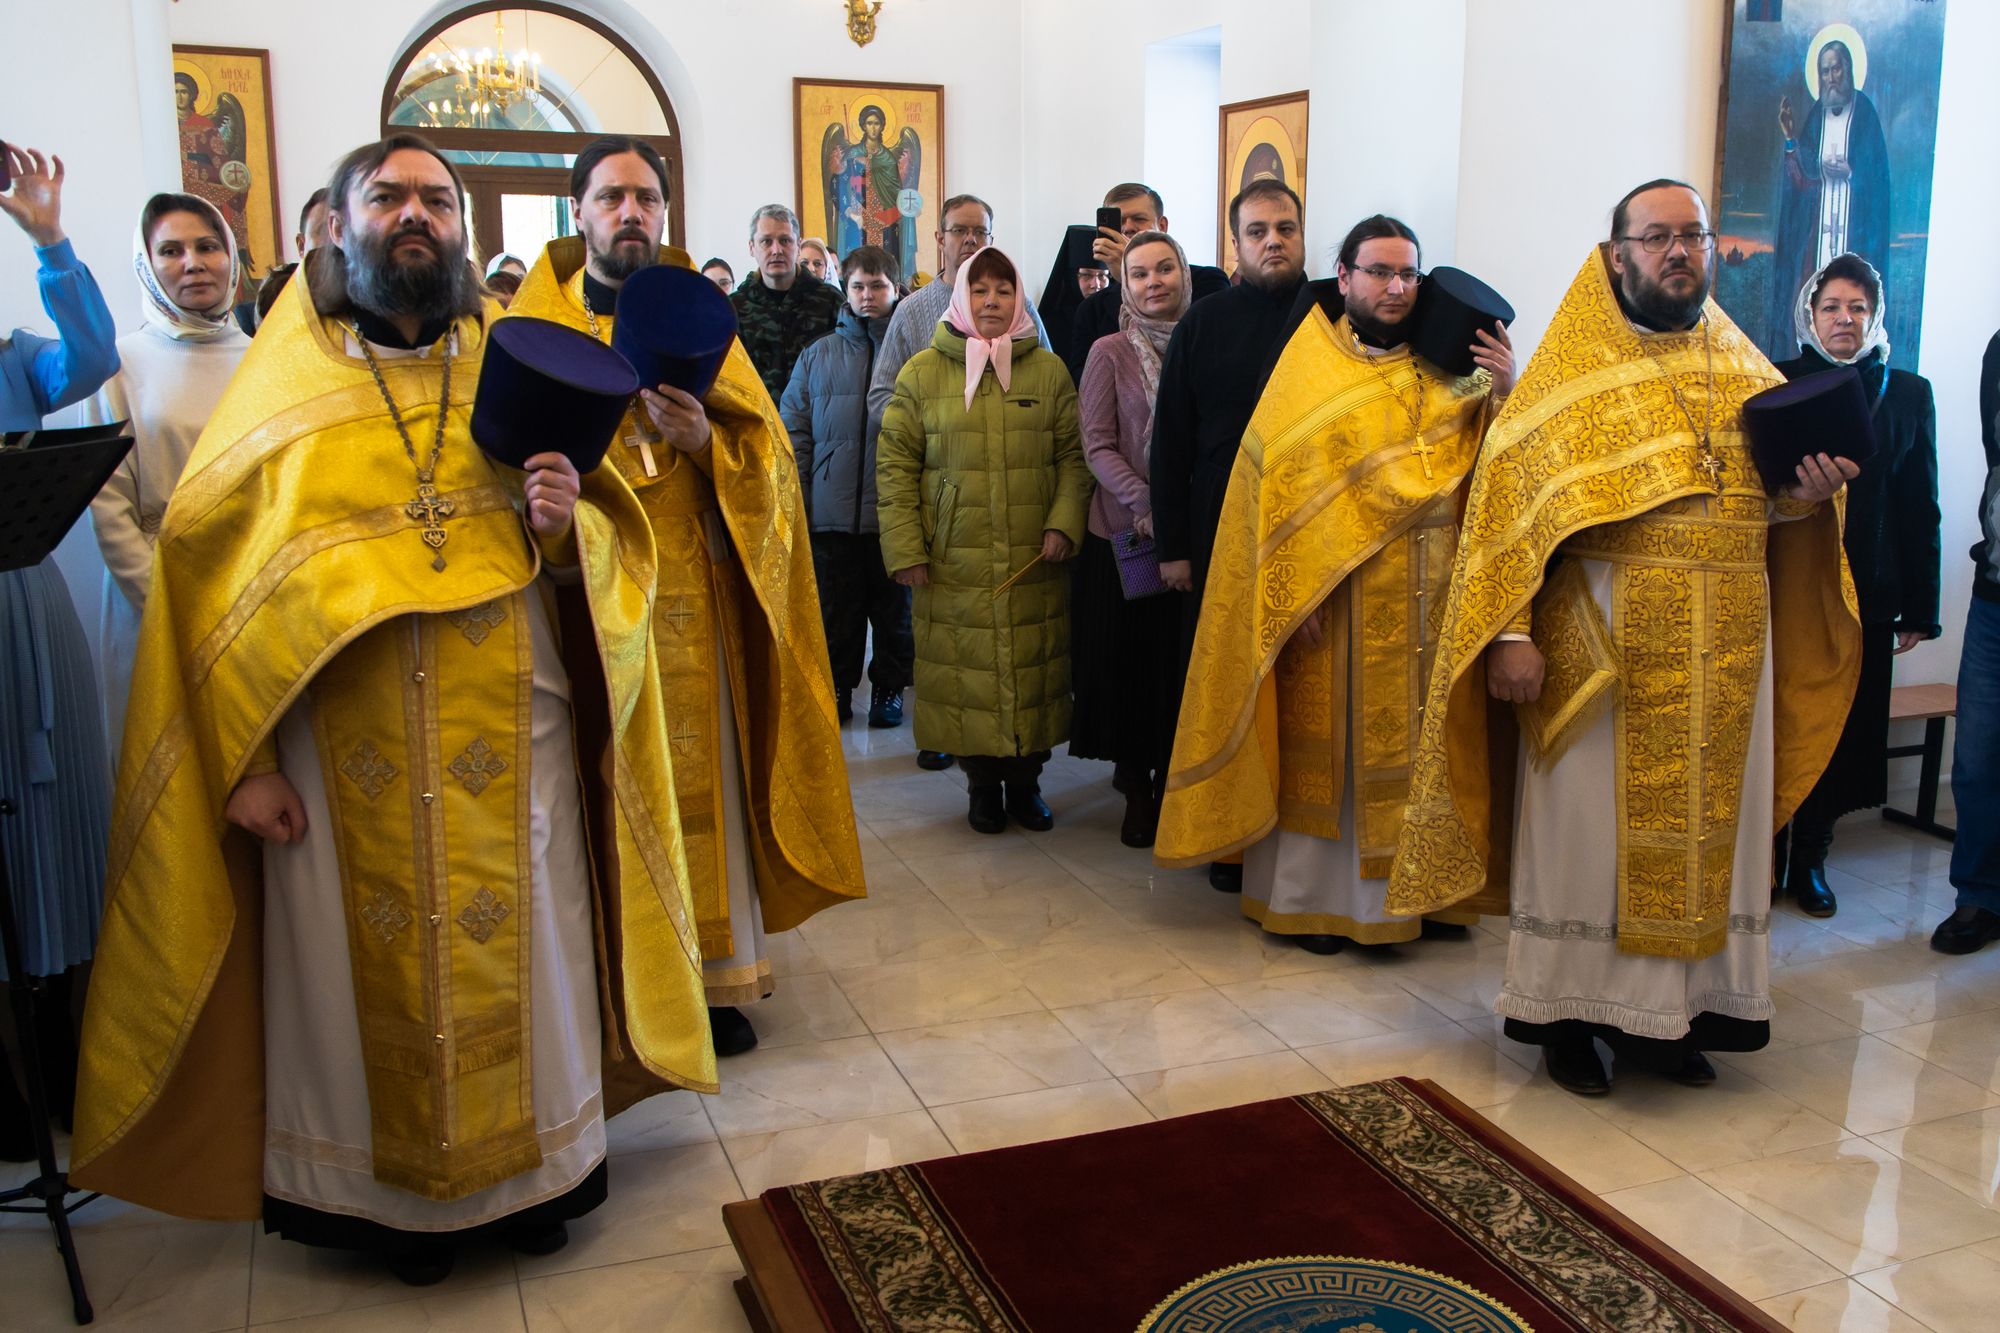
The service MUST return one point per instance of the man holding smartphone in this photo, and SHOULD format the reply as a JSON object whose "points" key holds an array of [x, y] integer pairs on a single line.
{"points": [[1128, 210]]}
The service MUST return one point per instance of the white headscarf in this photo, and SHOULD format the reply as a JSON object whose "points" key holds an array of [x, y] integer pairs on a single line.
{"points": [[1873, 337], [161, 310]]}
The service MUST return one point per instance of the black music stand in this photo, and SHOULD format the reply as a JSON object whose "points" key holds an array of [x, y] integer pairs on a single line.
{"points": [[49, 477]]}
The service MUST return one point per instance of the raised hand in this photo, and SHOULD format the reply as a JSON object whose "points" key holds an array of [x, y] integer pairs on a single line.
{"points": [[35, 201]]}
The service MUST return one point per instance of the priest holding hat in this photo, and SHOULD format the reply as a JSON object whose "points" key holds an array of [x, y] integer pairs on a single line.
{"points": [[1332, 555], [759, 776], [1679, 647], [396, 913]]}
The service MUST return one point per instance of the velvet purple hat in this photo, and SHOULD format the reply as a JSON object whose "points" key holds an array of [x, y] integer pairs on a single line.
{"points": [[1452, 305], [544, 386], [1825, 413], [675, 327]]}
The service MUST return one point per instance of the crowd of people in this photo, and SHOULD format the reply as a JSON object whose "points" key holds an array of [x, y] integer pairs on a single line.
{"points": [[455, 801]]}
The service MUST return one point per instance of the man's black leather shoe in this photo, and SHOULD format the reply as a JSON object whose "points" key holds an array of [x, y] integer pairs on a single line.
{"points": [[1814, 895], [731, 1030], [1323, 945], [1576, 1068], [1695, 1071], [1225, 878], [1967, 930]]}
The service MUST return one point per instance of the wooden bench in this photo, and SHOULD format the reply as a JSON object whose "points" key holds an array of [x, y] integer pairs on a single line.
{"points": [[1933, 704]]}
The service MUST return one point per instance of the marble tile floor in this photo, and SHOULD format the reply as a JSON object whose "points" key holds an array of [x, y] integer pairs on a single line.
{"points": [[997, 990]]}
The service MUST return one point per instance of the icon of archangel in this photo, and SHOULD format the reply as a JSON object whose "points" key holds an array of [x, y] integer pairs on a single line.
{"points": [[871, 187]]}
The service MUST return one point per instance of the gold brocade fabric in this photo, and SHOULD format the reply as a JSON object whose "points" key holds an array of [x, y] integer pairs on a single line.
{"points": [[422, 726], [1332, 501], [1591, 440], [760, 610], [290, 560]]}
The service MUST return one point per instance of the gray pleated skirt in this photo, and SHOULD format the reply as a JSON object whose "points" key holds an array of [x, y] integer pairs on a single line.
{"points": [[53, 768]]}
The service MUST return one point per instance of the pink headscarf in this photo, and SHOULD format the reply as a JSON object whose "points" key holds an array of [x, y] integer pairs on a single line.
{"points": [[981, 351]]}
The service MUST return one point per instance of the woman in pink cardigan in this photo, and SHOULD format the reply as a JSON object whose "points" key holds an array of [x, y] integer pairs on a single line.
{"points": [[1125, 653]]}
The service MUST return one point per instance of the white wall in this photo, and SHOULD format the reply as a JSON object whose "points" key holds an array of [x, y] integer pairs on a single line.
{"points": [[1183, 90]]}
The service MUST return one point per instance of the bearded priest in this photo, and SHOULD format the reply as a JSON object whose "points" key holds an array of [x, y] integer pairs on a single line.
{"points": [[1316, 630], [1681, 648], [759, 776], [384, 945]]}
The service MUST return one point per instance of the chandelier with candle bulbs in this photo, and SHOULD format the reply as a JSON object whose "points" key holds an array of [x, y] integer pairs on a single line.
{"points": [[489, 81]]}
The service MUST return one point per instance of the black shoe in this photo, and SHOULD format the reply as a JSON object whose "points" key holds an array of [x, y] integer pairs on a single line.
{"points": [[843, 705], [1575, 1068], [933, 761], [1967, 930], [1445, 930], [1225, 878], [1142, 818], [424, 1265], [988, 810], [1323, 945], [1809, 886], [536, 1240], [1026, 807], [1695, 1071], [731, 1030], [887, 708]]}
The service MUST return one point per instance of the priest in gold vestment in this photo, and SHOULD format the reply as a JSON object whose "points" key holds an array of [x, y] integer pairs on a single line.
{"points": [[1330, 564], [466, 938], [1680, 649], [759, 776]]}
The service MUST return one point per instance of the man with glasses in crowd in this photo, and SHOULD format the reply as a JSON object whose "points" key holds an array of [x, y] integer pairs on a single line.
{"points": [[965, 227], [1679, 647], [777, 314], [1352, 464]]}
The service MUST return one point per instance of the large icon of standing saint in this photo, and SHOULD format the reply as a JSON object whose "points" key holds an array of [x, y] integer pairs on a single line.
{"points": [[1833, 184], [871, 186]]}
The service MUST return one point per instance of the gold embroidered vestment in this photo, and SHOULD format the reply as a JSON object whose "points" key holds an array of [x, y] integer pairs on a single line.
{"points": [[1595, 458], [1332, 501], [736, 592], [290, 563]]}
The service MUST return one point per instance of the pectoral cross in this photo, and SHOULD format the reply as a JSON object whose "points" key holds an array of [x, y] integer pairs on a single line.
{"points": [[637, 438], [432, 510], [1710, 465], [1423, 449]]}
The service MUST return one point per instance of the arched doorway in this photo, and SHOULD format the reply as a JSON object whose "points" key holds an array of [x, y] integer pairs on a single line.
{"points": [[511, 93]]}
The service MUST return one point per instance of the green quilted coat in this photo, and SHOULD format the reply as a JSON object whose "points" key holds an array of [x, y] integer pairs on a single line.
{"points": [[969, 493]]}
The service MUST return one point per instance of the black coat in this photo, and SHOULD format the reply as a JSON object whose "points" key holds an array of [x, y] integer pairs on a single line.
{"points": [[1098, 314], [1893, 525], [1214, 368]]}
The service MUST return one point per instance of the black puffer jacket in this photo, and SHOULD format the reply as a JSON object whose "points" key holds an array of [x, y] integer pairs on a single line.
{"points": [[825, 408]]}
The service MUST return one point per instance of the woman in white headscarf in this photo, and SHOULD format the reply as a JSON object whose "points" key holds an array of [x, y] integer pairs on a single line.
{"points": [[173, 373], [1892, 537]]}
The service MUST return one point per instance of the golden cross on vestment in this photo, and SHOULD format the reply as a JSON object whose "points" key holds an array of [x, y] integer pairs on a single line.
{"points": [[682, 738], [432, 510], [1423, 449], [1710, 465], [678, 613]]}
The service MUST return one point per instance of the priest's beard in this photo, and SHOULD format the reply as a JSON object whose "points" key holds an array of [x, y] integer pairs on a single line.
{"points": [[1375, 332], [617, 259], [1659, 309], [438, 286]]}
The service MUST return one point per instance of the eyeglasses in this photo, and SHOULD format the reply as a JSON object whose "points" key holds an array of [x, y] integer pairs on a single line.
{"points": [[1382, 273], [976, 233], [1658, 242]]}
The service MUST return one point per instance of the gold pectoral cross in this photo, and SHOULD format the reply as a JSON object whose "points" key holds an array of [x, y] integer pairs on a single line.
{"points": [[1710, 466], [432, 510], [1423, 449]]}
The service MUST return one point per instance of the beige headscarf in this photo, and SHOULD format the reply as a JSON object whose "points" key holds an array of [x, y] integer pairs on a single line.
{"points": [[1149, 334]]}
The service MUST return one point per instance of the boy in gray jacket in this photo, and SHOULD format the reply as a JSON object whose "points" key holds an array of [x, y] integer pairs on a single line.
{"points": [[825, 407]]}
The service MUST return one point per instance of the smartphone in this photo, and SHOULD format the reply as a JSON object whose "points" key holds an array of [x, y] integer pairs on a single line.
{"points": [[1111, 216], [7, 176]]}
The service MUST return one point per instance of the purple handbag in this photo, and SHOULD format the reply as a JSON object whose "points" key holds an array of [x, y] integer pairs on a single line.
{"points": [[1138, 565]]}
